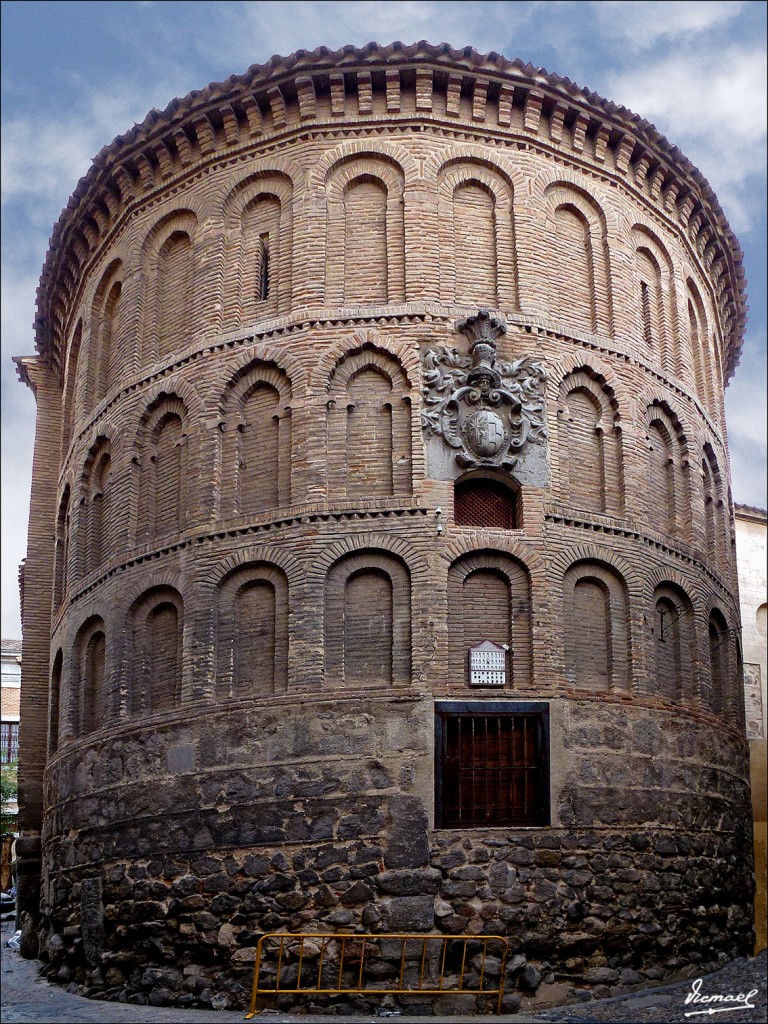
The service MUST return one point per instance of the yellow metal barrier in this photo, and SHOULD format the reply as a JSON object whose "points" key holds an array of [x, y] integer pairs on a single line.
{"points": [[314, 963]]}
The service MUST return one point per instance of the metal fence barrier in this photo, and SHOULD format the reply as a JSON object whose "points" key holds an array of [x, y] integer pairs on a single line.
{"points": [[315, 963]]}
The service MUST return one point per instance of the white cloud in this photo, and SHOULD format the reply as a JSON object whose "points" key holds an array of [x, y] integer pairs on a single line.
{"points": [[713, 106], [44, 157], [17, 477], [747, 418], [17, 307], [255, 31], [44, 160], [641, 25]]}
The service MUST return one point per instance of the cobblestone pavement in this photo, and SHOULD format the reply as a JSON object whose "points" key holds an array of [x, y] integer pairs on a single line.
{"points": [[29, 999]]}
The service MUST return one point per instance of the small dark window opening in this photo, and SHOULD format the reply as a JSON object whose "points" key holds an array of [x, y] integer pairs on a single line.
{"points": [[485, 503], [645, 297], [263, 266], [491, 766]]}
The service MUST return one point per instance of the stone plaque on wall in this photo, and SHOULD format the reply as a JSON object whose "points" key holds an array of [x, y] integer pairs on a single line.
{"points": [[753, 702], [487, 664]]}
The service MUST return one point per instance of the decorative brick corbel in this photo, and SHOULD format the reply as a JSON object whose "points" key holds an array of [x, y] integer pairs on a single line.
{"points": [[424, 87], [146, 172], [277, 105], [556, 121], [205, 136], [111, 202], [533, 104], [623, 153], [710, 253], [163, 159], [101, 218], [253, 113], [694, 224], [364, 92], [641, 170], [686, 209], [393, 91], [656, 180], [183, 147], [231, 126], [305, 88], [125, 184], [338, 94], [670, 196], [453, 95], [479, 99], [506, 99], [579, 132]]}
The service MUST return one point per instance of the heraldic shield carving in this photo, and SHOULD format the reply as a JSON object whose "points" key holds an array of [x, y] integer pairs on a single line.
{"points": [[487, 410]]}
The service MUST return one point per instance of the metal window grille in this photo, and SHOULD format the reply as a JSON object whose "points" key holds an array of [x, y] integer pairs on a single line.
{"points": [[485, 503], [9, 742], [492, 769]]}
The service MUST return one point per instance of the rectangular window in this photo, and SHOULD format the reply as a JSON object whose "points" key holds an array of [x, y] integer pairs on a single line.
{"points": [[9, 742], [491, 764], [264, 266]]}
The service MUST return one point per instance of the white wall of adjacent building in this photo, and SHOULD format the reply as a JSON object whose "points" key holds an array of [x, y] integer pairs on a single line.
{"points": [[751, 554]]}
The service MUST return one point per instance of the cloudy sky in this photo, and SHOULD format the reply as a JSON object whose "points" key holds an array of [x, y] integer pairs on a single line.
{"points": [[76, 74]]}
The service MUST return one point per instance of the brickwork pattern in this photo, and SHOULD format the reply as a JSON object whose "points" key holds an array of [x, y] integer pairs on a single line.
{"points": [[236, 584]]}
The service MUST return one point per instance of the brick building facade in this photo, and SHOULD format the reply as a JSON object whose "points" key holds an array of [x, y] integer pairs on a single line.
{"points": [[347, 367]]}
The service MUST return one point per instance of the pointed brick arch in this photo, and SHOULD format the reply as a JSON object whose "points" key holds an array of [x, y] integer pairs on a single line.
{"points": [[252, 632], [720, 640], [673, 635], [490, 591], [62, 578], [168, 264], [367, 621], [597, 627], [368, 427], [590, 461], [160, 470], [54, 703], [668, 489], [699, 342], [406, 356], [478, 257], [365, 232], [351, 150], [258, 242], [107, 341], [655, 301], [71, 387], [255, 440], [576, 236], [716, 511], [154, 656], [96, 522], [90, 681]]}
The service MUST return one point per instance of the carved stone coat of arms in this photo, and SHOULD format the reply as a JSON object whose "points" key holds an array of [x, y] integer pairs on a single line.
{"points": [[486, 410]]}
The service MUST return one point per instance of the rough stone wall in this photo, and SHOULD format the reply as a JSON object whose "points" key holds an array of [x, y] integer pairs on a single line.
{"points": [[254, 600], [324, 828]]}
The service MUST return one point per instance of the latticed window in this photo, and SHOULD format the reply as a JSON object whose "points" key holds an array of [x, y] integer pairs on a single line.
{"points": [[485, 503], [491, 765], [9, 742]]}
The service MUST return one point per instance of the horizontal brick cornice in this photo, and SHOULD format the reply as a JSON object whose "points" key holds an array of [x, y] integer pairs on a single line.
{"points": [[249, 110]]}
